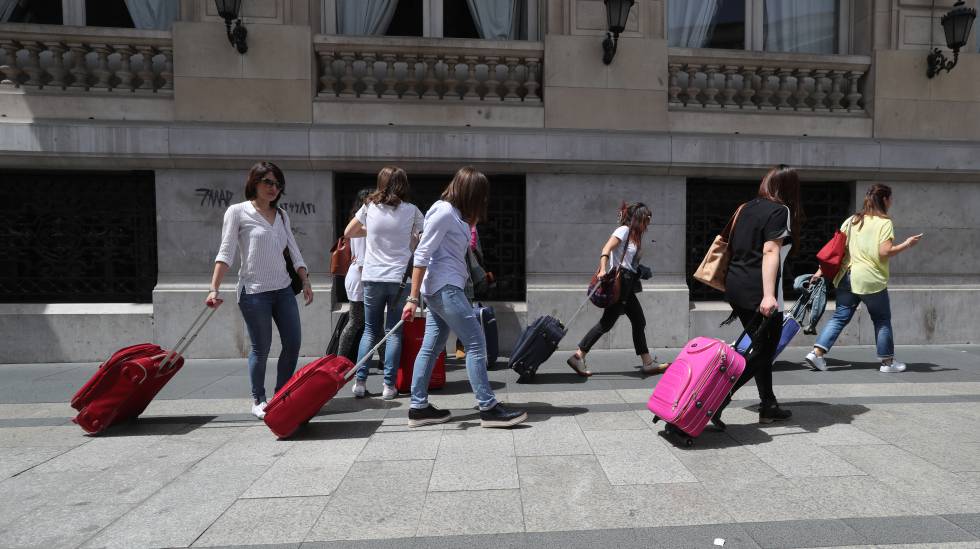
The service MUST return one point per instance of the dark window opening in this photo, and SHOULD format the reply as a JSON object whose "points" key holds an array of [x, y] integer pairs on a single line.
{"points": [[501, 236], [725, 30], [85, 237], [407, 20], [457, 21], [108, 13], [710, 204], [42, 12]]}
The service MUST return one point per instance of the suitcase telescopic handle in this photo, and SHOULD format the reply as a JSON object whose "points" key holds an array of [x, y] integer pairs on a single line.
{"points": [[187, 338], [755, 335], [374, 349]]}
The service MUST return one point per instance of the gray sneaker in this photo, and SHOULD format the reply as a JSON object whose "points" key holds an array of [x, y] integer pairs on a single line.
{"points": [[816, 361], [893, 368]]}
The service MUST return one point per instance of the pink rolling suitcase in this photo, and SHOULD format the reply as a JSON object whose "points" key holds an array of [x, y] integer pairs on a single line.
{"points": [[695, 384]]}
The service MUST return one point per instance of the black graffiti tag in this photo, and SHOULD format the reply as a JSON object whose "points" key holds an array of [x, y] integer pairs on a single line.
{"points": [[215, 198], [301, 208]]}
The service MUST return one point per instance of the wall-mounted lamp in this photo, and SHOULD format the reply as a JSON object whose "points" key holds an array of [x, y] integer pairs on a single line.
{"points": [[617, 12], [229, 11], [956, 25]]}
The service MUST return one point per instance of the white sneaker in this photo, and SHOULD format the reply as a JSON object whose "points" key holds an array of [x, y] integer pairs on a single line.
{"points": [[816, 361], [258, 410], [388, 392], [892, 368], [360, 388]]}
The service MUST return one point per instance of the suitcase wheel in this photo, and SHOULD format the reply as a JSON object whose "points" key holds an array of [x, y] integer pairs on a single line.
{"points": [[689, 442], [656, 419]]}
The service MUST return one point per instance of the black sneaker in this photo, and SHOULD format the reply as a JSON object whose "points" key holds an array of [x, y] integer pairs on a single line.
{"points": [[498, 416], [769, 414], [430, 415]]}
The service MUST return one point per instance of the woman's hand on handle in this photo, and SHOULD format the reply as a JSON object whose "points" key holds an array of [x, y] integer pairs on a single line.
{"points": [[768, 306], [408, 313], [213, 300]]}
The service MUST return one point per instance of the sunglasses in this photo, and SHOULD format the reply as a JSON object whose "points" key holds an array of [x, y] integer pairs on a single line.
{"points": [[272, 183]]}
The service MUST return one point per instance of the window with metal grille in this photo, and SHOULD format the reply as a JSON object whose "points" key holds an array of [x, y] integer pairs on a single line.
{"points": [[78, 237], [501, 236], [710, 204]]}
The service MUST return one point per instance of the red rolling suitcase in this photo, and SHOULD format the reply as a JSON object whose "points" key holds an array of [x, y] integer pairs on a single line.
{"points": [[412, 335], [310, 389], [125, 384]]}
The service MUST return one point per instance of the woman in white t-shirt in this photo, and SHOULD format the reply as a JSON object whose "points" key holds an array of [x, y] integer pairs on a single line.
{"points": [[391, 225], [623, 250], [350, 337]]}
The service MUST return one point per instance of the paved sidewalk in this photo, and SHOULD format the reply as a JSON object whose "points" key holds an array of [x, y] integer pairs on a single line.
{"points": [[869, 459]]}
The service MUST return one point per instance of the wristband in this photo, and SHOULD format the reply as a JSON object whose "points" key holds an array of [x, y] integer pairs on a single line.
{"points": [[413, 300], [604, 255], [213, 290]]}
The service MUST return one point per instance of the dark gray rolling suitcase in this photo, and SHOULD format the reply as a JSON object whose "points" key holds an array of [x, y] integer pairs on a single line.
{"points": [[538, 342]]}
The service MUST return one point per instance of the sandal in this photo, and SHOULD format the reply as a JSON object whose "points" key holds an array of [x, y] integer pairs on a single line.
{"points": [[578, 364], [651, 370]]}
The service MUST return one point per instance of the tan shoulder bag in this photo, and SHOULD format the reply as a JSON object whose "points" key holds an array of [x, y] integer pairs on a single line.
{"points": [[714, 266]]}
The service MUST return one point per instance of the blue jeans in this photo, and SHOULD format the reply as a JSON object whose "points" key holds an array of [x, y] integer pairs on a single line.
{"points": [[879, 307], [377, 296], [259, 310], [449, 309]]}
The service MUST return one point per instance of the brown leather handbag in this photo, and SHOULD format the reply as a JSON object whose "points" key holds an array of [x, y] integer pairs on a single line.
{"points": [[714, 267], [340, 257]]}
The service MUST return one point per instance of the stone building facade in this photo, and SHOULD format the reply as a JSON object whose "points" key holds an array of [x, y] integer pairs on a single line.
{"points": [[179, 115]]}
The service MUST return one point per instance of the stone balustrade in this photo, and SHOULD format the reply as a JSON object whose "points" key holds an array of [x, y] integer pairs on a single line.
{"points": [[51, 58], [396, 68], [760, 81]]}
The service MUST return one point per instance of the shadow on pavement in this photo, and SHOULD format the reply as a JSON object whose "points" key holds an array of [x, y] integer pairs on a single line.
{"points": [[151, 426], [544, 378], [536, 413], [336, 430], [462, 386], [808, 417]]}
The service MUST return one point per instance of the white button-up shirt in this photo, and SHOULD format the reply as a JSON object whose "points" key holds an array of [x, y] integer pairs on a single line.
{"points": [[263, 268]]}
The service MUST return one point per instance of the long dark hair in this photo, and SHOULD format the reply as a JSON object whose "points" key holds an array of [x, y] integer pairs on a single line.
{"points": [[874, 203], [359, 200], [392, 188], [468, 192], [256, 173], [636, 216], [782, 185]]}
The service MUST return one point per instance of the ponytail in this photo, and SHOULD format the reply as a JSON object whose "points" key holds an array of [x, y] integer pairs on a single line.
{"points": [[874, 203]]}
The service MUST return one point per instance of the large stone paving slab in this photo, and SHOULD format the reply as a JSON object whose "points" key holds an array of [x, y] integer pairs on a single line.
{"points": [[264, 521]]}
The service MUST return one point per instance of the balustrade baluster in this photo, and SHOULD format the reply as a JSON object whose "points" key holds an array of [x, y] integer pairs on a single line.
{"points": [[728, 93], [835, 94], [327, 79], [430, 78], [411, 80], [511, 83], [471, 82], [35, 75], [451, 82], [819, 91], [79, 71], [167, 73], [390, 81], [801, 92], [710, 91], [854, 96], [673, 88], [748, 91], [784, 91], [124, 74], [57, 68], [101, 72], [147, 78], [692, 86], [493, 85], [369, 79], [11, 74], [531, 84], [348, 78], [765, 89]]}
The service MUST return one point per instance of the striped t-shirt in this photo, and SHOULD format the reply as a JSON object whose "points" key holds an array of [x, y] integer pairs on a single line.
{"points": [[263, 268]]}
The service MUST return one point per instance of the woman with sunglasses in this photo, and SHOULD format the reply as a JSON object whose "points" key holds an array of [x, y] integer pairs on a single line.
{"points": [[261, 231]]}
